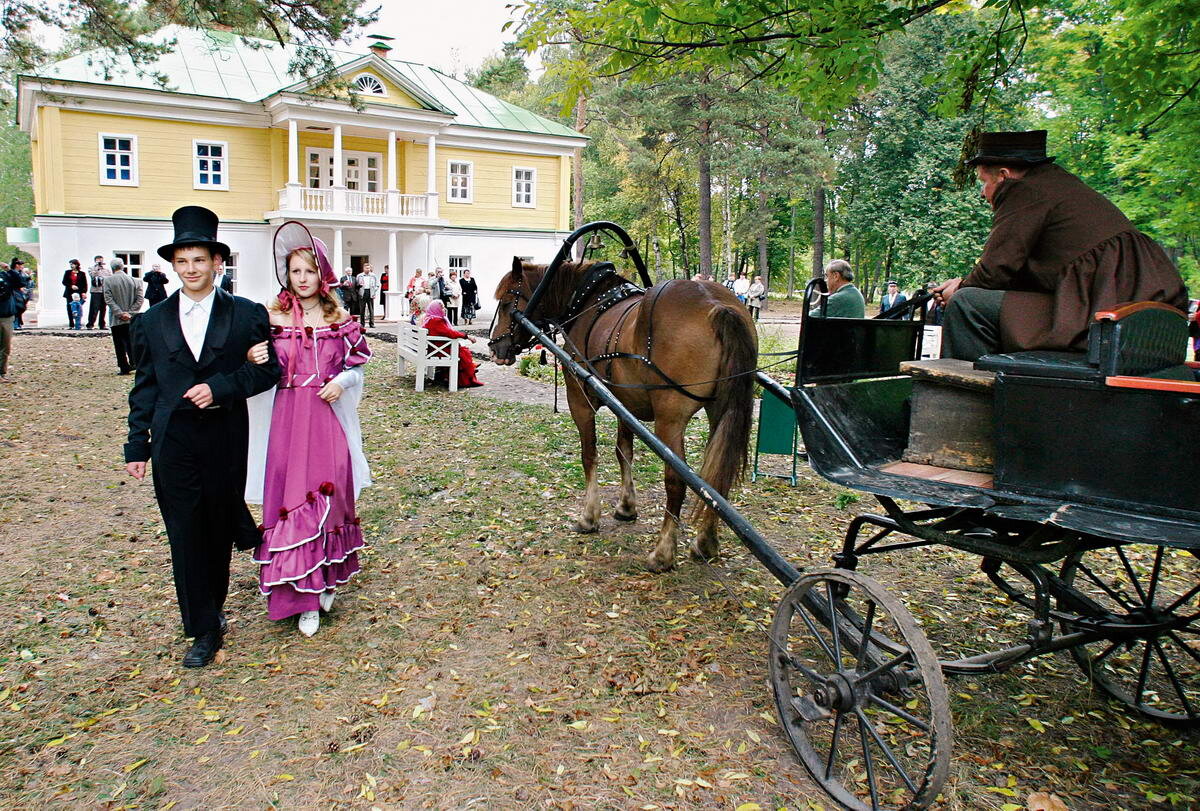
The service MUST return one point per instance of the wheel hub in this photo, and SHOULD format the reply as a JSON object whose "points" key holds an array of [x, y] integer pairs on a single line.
{"points": [[837, 693]]}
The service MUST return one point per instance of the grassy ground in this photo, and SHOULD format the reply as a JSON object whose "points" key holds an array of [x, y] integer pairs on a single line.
{"points": [[486, 656]]}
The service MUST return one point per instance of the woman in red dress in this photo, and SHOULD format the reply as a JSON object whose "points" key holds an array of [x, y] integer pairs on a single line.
{"points": [[436, 324]]}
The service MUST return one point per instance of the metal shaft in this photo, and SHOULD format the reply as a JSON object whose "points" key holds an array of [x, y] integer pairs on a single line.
{"points": [[783, 571]]}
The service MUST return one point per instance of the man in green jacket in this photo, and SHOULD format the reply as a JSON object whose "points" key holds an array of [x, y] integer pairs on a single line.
{"points": [[844, 299]]}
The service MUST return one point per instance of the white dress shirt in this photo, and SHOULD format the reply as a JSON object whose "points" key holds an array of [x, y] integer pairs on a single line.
{"points": [[193, 320]]}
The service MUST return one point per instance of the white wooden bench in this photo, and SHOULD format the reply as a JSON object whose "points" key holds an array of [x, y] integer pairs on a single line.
{"points": [[414, 346]]}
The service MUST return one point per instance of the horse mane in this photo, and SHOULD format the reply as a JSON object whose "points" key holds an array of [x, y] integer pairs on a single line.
{"points": [[554, 301]]}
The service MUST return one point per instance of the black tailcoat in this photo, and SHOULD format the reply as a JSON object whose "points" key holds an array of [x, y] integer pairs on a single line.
{"points": [[198, 455]]}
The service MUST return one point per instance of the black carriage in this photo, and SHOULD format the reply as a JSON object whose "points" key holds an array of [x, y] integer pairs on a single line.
{"points": [[1083, 509]]}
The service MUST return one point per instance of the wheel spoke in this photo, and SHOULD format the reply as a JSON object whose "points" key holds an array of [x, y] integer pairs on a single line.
{"points": [[1132, 576], [1119, 598], [888, 665], [883, 747], [1142, 675], [1096, 660], [809, 673], [833, 626], [1192, 592], [1158, 556], [1181, 643], [899, 713], [812, 629], [1179, 691], [866, 750], [837, 730], [865, 643]]}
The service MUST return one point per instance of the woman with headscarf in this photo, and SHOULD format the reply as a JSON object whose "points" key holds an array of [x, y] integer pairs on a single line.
{"points": [[437, 326], [470, 296], [313, 466]]}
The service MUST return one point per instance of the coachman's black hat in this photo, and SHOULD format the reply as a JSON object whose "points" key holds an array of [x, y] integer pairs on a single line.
{"points": [[194, 225], [1011, 149]]}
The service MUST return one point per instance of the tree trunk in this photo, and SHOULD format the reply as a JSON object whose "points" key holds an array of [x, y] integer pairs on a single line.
{"points": [[727, 231], [658, 257], [705, 187], [677, 210], [577, 170], [818, 257], [833, 246], [764, 268], [792, 256]]}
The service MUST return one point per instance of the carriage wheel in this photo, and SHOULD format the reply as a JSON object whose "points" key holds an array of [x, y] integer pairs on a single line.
{"points": [[870, 721], [1156, 672]]}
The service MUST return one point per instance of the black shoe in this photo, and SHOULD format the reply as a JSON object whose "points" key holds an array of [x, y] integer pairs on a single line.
{"points": [[203, 650], [223, 623], [125, 372]]}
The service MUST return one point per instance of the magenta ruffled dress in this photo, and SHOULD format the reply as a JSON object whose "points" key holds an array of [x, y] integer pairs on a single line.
{"points": [[311, 534]]}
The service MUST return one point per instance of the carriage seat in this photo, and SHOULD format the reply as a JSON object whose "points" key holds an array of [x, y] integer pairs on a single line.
{"points": [[1145, 339]]}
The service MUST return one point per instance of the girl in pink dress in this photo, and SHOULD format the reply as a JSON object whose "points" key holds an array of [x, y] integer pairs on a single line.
{"points": [[314, 466]]}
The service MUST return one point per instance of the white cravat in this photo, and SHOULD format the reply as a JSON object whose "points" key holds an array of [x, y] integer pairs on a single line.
{"points": [[193, 320]]}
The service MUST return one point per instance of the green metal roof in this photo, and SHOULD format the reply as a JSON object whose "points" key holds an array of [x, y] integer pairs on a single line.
{"points": [[228, 66]]}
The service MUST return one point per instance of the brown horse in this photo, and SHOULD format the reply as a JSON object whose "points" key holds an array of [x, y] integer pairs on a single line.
{"points": [[694, 334]]}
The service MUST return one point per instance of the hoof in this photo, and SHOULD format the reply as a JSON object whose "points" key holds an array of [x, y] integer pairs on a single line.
{"points": [[629, 516], [584, 529], [659, 566], [704, 552]]}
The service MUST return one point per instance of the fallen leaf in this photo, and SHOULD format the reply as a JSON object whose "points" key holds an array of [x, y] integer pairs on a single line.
{"points": [[1043, 801]]}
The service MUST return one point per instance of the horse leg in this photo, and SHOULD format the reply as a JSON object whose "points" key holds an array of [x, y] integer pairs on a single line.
{"points": [[585, 421], [705, 545], [627, 500], [663, 556]]}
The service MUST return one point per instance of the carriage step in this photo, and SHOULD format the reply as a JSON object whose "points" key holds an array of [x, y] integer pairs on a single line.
{"points": [[951, 423]]}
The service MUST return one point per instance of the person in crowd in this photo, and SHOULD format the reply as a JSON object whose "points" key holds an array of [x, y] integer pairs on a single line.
{"points": [[313, 466], [755, 296], [156, 285], [697, 276], [453, 297], [385, 280], [845, 300], [420, 304], [10, 288], [730, 282], [96, 308], [187, 414], [438, 289], [74, 281], [124, 296], [345, 289], [891, 299], [741, 286], [22, 296], [225, 281], [414, 285], [436, 324], [1058, 252], [934, 311], [470, 296], [75, 311], [368, 289]]}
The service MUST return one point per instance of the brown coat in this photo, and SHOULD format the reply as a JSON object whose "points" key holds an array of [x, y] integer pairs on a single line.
{"points": [[1066, 252]]}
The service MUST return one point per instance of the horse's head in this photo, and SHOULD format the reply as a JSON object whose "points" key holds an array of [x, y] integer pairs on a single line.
{"points": [[508, 337]]}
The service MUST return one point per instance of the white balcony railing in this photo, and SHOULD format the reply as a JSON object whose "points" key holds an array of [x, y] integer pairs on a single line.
{"points": [[353, 203]]}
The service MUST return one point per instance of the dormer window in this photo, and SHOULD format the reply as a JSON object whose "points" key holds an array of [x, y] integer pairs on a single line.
{"points": [[369, 85]]}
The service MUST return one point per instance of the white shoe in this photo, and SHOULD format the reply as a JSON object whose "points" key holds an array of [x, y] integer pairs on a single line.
{"points": [[325, 598], [309, 622]]}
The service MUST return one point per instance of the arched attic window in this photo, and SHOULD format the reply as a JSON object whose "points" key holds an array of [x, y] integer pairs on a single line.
{"points": [[369, 85]]}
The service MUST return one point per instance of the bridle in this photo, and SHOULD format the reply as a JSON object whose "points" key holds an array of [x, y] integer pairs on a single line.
{"points": [[515, 346]]}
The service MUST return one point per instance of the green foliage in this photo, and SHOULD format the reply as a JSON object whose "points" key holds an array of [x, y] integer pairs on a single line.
{"points": [[16, 179]]}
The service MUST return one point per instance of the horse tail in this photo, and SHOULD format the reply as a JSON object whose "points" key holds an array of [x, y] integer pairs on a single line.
{"points": [[731, 413]]}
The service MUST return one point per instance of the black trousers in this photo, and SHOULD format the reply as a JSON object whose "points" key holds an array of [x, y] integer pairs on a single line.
{"points": [[368, 310], [96, 308], [199, 481], [123, 346]]}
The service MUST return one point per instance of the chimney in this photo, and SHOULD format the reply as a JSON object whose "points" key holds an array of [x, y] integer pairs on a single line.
{"points": [[379, 45]]}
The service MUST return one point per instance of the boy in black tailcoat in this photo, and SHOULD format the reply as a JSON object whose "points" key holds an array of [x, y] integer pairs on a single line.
{"points": [[187, 414]]}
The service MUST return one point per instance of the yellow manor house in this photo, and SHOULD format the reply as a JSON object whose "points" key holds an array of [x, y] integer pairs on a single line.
{"points": [[429, 173]]}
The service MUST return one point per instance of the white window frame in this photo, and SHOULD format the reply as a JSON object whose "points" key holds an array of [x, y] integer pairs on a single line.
{"points": [[458, 263], [231, 268], [196, 184], [382, 94], [517, 192], [325, 172], [470, 175], [127, 257], [133, 159]]}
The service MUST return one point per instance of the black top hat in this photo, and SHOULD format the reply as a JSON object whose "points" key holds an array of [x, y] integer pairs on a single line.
{"points": [[1011, 148], [194, 225]]}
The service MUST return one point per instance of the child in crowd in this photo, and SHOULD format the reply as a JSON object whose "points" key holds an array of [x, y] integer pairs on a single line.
{"points": [[75, 310]]}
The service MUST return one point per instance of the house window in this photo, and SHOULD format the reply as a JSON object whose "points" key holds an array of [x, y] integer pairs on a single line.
{"points": [[361, 171], [460, 181], [524, 183], [231, 269], [366, 83], [132, 260], [460, 263], [210, 169], [118, 160]]}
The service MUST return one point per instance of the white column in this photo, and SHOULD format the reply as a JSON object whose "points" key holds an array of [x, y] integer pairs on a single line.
{"points": [[393, 192], [397, 284], [431, 191], [428, 254], [339, 179], [338, 266], [293, 182]]}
